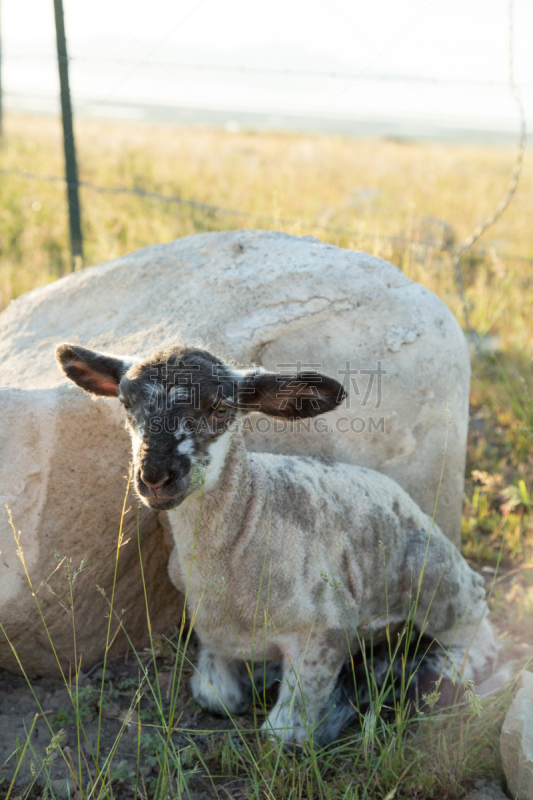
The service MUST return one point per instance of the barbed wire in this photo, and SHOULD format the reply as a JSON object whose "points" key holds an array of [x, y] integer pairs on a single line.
{"points": [[279, 71], [219, 210], [456, 252], [511, 189]]}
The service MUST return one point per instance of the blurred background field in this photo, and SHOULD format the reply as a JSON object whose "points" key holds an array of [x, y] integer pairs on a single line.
{"points": [[379, 195], [389, 128], [405, 201]]}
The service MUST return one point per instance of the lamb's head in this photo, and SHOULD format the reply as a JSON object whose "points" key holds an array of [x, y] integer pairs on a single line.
{"points": [[183, 407]]}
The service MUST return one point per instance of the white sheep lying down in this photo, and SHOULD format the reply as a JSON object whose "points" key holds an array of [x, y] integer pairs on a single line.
{"points": [[284, 560]]}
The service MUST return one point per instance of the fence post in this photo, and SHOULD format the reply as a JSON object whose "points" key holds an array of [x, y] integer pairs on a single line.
{"points": [[71, 166]]}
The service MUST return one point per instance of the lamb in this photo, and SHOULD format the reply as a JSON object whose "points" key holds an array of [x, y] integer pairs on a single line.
{"points": [[284, 560]]}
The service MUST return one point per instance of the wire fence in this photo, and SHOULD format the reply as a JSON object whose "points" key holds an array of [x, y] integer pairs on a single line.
{"points": [[362, 74], [259, 217], [511, 189], [73, 183]]}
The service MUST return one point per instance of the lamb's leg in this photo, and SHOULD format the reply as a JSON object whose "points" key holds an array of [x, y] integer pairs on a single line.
{"points": [[467, 646], [219, 685], [466, 653], [306, 706]]}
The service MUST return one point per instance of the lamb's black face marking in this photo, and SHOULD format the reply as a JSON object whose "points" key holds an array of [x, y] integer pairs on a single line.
{"points": [[178, 404], [181, 404]]}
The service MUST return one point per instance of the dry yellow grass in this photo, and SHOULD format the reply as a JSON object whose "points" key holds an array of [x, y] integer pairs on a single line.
{"points": [[377, 189]]}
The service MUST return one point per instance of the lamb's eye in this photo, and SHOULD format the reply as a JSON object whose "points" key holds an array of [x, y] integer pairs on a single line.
{"points": [[220, 412], [125, 403]]}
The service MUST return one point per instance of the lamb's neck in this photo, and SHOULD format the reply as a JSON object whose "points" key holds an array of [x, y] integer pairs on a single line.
{"points": [[212, 514]]}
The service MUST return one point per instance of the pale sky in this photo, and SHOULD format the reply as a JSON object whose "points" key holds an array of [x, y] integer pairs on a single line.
{"points": [[452, 39]]}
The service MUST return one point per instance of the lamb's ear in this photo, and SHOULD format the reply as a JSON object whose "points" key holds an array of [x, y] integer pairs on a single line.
{"points": [[304, 394], [97, 373]]}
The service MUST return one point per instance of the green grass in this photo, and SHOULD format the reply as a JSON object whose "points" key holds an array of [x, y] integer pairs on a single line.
{"points": [[395, 750], [378, 189]]}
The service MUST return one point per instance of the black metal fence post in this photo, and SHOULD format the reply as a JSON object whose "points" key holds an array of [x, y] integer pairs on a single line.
{"points": [[71, 166]]}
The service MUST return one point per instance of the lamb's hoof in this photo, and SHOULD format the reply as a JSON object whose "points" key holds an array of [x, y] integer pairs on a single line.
{"points": [[292, 737], [223, 696]]}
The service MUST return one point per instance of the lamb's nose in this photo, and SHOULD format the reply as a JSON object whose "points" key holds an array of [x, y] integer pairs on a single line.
{"points": [[154, 487]]}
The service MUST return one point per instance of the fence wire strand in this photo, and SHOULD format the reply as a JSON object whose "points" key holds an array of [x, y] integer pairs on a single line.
{"points": [[282, 72], [511, 189], [457, 252], [267, 218]]}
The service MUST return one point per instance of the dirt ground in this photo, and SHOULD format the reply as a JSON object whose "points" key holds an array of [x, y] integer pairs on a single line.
{"points": [[135, 759], [18, 708]]}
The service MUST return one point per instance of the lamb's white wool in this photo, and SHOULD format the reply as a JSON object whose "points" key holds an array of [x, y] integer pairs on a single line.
{"points": [[217, 684], [280, 722], [290, 560], [185, 445], [218, 452]]}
